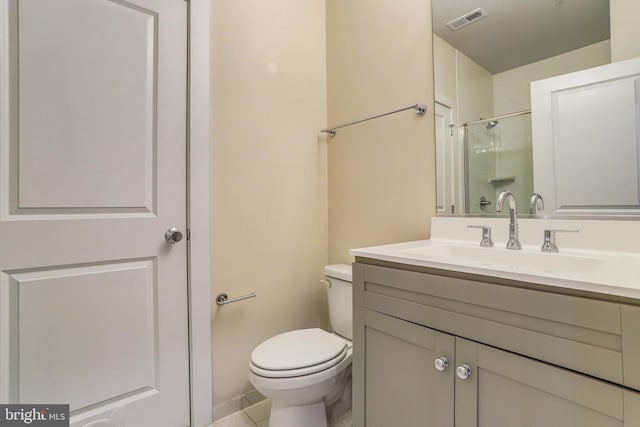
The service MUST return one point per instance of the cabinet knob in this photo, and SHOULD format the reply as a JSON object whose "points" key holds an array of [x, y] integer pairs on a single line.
{"points": [[463, 372], [441, 363]]}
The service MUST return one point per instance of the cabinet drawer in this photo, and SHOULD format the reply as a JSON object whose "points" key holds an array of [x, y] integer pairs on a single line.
{"points": [[586, 335]]}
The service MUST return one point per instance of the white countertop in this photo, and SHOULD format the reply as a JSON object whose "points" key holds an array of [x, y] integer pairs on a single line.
{"points": [[595, 271]]}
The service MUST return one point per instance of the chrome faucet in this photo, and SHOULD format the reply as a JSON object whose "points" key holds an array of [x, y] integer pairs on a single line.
{"points": [[514, 242], [536, 203]]}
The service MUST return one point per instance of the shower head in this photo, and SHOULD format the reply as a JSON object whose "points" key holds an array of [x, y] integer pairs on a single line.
{"points": [[492, 123]]}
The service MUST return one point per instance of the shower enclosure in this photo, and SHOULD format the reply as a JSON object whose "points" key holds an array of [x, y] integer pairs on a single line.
{"points": [[497, 156]]}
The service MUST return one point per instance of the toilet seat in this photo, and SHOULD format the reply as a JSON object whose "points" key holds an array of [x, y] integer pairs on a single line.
{"points": [[298, 353], [290, 373]]}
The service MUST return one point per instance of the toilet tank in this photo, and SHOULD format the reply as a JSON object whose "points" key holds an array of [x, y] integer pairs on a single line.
{"points": [[339, 296]]}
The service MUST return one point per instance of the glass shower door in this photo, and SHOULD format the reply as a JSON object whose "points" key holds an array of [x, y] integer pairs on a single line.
{"points": [[498, 156]]}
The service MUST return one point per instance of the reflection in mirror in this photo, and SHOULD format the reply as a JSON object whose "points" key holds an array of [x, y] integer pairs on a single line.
{"points": [[498, 157], [586, 137], [483, 69]]}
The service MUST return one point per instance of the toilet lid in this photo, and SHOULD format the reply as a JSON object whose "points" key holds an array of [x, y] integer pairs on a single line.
{"points": [[299, 349]]}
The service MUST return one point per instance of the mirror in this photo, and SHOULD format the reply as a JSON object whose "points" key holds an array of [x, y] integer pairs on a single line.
{"points": [[486, 53]]}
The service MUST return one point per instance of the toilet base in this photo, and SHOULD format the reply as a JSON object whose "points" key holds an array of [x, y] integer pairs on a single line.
{"points": [[308, 415]]}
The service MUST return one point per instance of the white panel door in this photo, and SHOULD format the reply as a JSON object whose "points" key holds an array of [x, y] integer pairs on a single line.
{"points": [[93, 299], [586, 140], [446, 167]]}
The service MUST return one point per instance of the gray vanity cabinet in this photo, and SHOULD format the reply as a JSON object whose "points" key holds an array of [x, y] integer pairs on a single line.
{"points": [[406, 320]]}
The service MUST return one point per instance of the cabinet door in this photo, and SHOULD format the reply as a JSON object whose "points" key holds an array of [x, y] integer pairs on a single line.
{"points": [[506, 390], [402, 386]]}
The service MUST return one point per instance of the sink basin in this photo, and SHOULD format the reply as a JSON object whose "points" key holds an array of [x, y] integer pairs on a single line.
{"points": [[514, 260]]}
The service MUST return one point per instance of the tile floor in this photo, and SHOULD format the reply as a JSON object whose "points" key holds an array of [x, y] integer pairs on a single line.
{"points": [[257, 415]]}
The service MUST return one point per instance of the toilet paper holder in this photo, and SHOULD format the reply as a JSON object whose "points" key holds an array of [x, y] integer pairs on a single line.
{"points": [[223, 298]]}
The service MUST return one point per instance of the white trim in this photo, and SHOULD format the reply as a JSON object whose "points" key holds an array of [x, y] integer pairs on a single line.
{"points": [[199, 218], [5, 101], [5, 339], [458, 152], [446, 102], [5, 306]]}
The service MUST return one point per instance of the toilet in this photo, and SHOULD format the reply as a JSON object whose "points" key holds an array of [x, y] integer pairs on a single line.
{"points": [[307, 372]]}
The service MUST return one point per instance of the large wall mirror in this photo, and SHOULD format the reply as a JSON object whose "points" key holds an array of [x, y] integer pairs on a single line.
{"points": [[486, 54]]}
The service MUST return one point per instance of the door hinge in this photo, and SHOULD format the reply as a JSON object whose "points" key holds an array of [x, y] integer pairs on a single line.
{"points": [[451, 127], [188, 229]]}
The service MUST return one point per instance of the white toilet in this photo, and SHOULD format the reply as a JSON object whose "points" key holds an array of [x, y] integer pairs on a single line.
{"points": [[307, 372]]}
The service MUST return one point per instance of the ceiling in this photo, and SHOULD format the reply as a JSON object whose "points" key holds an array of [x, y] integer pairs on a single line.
{"points": [[518, 32]]}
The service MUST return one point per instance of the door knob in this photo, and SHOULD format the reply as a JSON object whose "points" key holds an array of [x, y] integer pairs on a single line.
{"points": [[441, 363], [463, 372], [173, 235]]}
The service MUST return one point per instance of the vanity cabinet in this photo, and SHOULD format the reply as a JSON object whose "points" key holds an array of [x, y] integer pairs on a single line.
{"points": [[536, 358]]}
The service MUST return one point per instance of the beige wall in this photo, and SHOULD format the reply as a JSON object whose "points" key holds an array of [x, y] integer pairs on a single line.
{"points": [[269, 176], [475, 90], [461, 83], [444, 72], [511, 90], [382, 172], [625, 31]]}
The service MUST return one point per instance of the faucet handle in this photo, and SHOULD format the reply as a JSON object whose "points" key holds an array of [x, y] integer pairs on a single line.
{"points": [[549, 244], [486, 241]]}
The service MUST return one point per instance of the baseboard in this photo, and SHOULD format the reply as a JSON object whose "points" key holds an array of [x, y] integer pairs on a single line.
{"points": [[236, 404]]}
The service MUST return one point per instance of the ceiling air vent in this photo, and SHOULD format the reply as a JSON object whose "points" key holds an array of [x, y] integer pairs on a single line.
{"points": [[466, 19]]}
